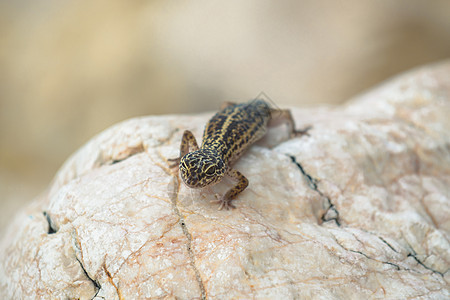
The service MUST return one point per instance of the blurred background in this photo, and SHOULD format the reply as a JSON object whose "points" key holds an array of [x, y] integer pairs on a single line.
{"points": [[69, 69]]}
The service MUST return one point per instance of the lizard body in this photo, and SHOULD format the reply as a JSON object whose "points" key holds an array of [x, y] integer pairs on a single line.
{"points": [[227, 135]]}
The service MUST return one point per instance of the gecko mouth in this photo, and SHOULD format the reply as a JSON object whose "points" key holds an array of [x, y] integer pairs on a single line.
{"points": [[193, 183]]}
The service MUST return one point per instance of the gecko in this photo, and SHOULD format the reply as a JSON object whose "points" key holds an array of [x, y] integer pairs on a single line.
{"points": [[226, 136]]}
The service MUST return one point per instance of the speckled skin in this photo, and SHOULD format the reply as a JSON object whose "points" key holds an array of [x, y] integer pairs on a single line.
{"points": [[231, 131], [226, 136]]}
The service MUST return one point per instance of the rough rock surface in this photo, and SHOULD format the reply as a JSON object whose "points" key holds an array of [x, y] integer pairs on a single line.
{"points": [[358, 209]]}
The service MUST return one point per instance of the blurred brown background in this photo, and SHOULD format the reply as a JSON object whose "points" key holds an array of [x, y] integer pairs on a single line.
{"points": [[69, 69]]}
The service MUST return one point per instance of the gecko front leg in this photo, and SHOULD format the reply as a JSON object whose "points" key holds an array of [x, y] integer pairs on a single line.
{"points": [[226, 199], [188, 142]]}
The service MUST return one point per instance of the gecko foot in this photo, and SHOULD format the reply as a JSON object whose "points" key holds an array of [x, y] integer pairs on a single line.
{"points": [[224, 203], [303, 131]]}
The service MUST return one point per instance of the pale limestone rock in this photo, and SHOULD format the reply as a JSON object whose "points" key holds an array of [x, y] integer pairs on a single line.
{"points": [[358, 209]]}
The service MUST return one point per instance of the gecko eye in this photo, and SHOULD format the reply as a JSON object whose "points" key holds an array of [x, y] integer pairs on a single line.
{"points": [[211, 170]]}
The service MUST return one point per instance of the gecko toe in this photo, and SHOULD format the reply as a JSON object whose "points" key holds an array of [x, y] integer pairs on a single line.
{"points": [[174, 162], [223, 204], [304, 131]]}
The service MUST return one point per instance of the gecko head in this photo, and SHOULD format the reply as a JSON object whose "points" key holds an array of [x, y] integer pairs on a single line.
{"points": [[201, 168]]}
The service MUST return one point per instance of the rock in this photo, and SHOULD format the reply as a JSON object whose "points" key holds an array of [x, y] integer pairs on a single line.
{"points": [[358, 209]]}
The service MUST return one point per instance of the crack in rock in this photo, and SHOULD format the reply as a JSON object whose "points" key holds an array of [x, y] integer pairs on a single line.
{"points": [[96, 284], [51, 227], [176, 185], [424, 265], [371, 258], [390, 263], [389, 245], [131, 151], [110, 279], [77, 248], [412, 253], [374, 259], [331, 212]]}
